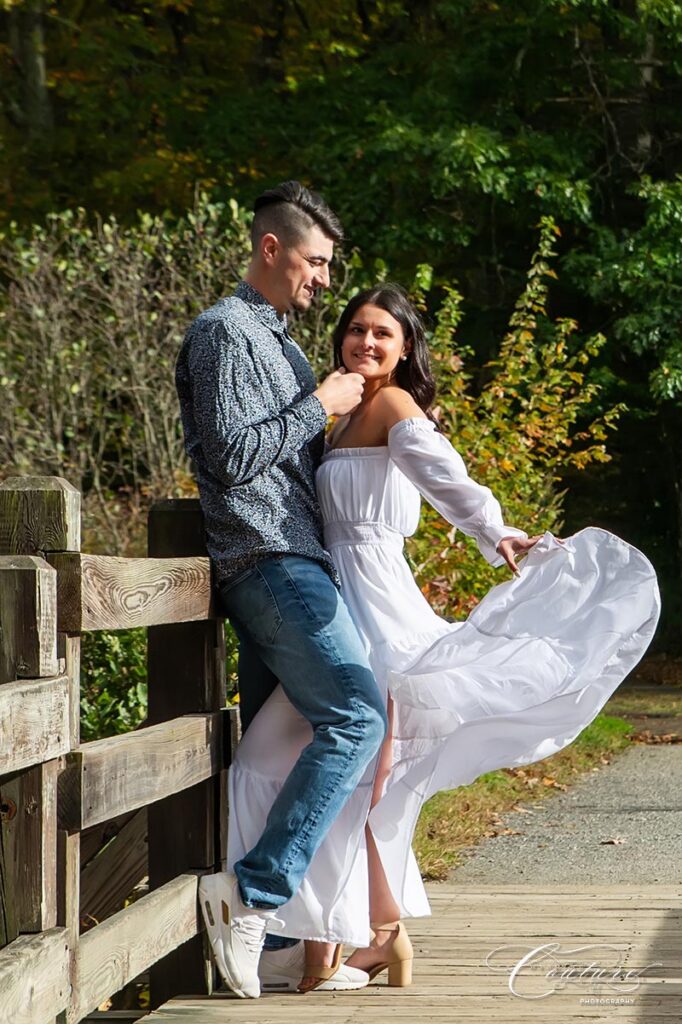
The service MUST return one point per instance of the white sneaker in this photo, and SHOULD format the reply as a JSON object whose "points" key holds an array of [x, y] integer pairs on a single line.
{"points": [[236, 932], [281, 970]]}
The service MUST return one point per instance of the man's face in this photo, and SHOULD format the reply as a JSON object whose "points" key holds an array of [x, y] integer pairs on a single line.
{"points": [[303, 269]]}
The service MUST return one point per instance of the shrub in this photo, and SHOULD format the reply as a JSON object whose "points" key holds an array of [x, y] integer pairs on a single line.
{"points": [[515, 434], [92, 318]]}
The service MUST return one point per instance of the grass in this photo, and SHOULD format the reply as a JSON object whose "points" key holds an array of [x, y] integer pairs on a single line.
{"points": [[461, 817], [646, 703]]}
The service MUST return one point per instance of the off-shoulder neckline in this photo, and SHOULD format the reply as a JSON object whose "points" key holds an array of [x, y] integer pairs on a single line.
{"points": [[369, 448]]}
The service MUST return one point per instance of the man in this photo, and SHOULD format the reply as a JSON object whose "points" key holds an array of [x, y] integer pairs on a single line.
{"points": [[254, 421]]}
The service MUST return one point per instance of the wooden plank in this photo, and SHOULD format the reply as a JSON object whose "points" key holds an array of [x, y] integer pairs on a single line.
{"points": [[96, 837], [353, 1008], [34, 722], [28, 618], [184, 830], [39, 514], [103, 592], [34, 983], [69, 652], [452, 981], [115, 952], [121, 773], [112, 875], [29, 843], [68, 903], [36, 515]]}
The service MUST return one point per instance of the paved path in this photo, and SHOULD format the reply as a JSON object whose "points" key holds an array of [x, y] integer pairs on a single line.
{"points": [[637, 798]]}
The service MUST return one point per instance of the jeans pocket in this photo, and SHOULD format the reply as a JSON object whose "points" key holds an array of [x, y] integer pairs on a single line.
{"points": [[252, 604]]}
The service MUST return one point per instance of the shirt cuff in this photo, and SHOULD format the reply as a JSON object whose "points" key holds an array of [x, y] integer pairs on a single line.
{"points": [[491, 536], [312, 414]]}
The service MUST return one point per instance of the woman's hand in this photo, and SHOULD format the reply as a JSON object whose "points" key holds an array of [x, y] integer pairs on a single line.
{"points": [[510, 546]]}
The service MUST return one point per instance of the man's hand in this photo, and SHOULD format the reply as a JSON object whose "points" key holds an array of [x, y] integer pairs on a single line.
{"points": [[340, 392], [510, 546]]}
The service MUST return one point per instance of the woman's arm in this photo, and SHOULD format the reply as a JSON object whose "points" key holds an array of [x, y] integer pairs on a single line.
{"points": [[428, 459]]}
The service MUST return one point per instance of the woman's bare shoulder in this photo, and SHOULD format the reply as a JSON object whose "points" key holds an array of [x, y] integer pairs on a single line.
{"points": [[337, 428], [394, 404]]}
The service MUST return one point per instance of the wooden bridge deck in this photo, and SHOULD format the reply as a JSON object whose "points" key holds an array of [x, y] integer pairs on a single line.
{"points": [[622, 927]]}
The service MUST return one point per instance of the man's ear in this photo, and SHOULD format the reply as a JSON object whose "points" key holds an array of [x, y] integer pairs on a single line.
{"points": [[269, 248]]}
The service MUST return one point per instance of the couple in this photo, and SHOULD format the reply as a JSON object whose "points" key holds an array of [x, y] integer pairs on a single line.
{"points": [[357, 701]]}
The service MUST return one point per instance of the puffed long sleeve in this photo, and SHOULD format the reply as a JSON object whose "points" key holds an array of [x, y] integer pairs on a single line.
{"points": [[437, 470]]}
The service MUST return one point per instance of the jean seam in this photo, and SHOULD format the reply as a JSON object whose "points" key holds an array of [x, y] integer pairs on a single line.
{"points": [[350, 756], [270, 639], [292, 584], [323, 803], [226, 586]]}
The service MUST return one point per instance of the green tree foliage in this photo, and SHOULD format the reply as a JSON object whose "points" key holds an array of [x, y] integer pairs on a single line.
{"points": [[113, 682], [516, 434], [92, 323]]}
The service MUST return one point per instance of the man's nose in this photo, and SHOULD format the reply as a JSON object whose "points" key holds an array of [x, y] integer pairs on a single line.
{"points": [[322, 278]]}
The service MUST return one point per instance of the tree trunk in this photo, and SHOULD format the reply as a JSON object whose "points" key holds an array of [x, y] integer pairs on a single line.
{"points": [[27, 41]]}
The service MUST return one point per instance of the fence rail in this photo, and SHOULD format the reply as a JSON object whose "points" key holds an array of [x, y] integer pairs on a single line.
{"points": [[82, 823]]}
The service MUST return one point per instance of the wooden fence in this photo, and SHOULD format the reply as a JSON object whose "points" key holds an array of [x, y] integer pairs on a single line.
{"points": [[157, 795]]}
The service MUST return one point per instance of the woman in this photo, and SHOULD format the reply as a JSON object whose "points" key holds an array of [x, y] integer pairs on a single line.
{"points": [[517, 681]]}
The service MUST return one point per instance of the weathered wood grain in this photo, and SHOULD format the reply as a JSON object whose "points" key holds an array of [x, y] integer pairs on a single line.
{"points": [[112, 875], [69, 654], [110, 776], [34, 983], [102, 592], [119, 949], [68, 903], [34, 722], [28, 618], [37, 718], [184, 830], [39, 514], [96, 837], [453, 981], [30, 846]]}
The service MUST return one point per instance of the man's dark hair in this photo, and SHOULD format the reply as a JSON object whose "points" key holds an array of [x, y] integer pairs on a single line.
{"points": [[289, 211]]}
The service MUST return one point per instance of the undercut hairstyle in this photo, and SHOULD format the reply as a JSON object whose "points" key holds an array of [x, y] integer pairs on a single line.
{"points": [[289, 211], [413, 374]]}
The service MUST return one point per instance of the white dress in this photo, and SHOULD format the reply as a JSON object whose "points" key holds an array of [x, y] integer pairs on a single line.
{"points": [[518, 680]]}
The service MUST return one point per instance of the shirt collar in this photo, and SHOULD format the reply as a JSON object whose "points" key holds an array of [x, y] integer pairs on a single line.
{"points": [[265, 312]]}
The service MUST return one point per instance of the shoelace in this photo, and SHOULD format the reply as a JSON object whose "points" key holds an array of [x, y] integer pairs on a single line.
{"points": [[251, 930]]}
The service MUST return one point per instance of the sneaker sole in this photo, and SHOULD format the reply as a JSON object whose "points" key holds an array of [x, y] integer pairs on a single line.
{"points": [[208, 909], [284, 984]]}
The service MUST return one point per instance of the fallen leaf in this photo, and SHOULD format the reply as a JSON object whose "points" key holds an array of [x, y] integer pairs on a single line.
{"points": [[646, 736], [616, 841]]}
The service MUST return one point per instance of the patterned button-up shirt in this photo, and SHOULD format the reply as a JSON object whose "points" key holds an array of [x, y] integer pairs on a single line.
{"points": [[255, 434]]}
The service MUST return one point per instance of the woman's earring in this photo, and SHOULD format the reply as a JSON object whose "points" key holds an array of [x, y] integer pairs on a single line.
{"points": [[404, 356]]}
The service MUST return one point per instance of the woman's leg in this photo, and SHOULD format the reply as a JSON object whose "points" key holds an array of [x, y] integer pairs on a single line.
{"points": [[382, 906]]}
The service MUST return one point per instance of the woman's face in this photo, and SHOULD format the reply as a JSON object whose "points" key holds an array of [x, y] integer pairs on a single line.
{"points": [[373, 343]]}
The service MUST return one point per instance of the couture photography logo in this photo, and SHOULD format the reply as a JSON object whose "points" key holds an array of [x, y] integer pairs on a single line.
{"points": [[595, 972]]}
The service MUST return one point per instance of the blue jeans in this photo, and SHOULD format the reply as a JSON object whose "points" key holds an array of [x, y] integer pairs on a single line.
{"points": [[297, 630]]}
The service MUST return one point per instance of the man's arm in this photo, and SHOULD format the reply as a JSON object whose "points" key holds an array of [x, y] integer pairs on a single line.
{"points": [[222, 379]]}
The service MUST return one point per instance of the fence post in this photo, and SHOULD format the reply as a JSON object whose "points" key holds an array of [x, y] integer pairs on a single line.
{"points": [[38, 515], [186, 673]]}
